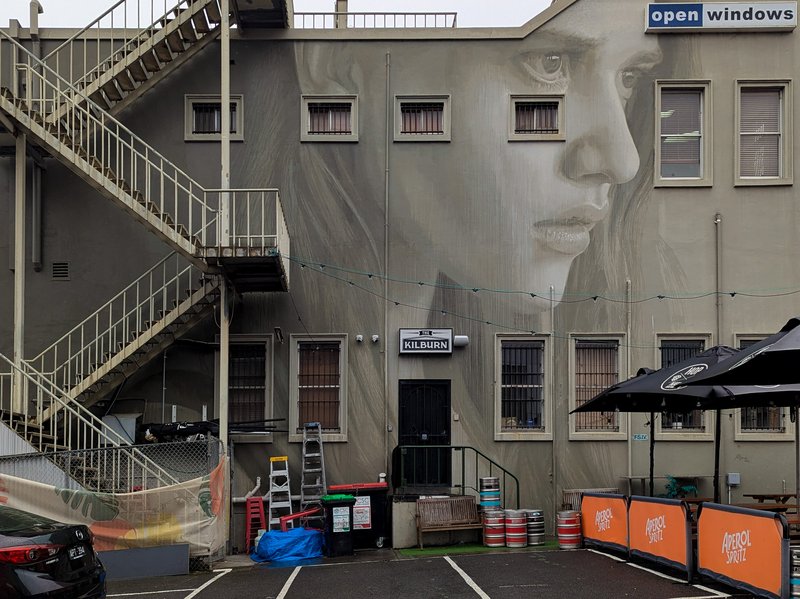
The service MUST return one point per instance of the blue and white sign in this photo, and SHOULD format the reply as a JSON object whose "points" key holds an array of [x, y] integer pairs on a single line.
{"points": [[721, 16]]}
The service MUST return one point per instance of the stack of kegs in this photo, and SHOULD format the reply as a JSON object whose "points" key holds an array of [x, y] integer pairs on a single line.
{"points": [[568, 524], [489, 489], [494, 528], [795, 575], [516, 528], [535, 527]]}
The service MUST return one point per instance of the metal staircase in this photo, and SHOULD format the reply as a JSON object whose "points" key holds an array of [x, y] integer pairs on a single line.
{"points": [[74, 439], [128, 48]]}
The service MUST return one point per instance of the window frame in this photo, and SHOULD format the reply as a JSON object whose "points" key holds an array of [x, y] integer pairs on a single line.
{"points": [[294, 395], [306, 136], [706, 179], [707, 434], [547, 391], [268, 340], [399, 100], [785, 162], [741, 434], [575, 435], [514, 99], [188, 117]]}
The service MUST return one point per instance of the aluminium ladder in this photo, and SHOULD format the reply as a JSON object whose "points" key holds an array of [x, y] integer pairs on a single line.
{"points": [[312, 484], [280, 497]]}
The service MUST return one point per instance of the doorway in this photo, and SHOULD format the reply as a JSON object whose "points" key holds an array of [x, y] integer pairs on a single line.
{"points": [[424, 419]]}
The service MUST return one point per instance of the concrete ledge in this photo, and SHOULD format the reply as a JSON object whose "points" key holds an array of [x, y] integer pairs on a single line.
{"points": [[167, 560]]}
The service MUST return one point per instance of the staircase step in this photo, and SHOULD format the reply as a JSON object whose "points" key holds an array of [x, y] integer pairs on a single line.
{"points": [[187, 31], [150, 62], [98, 98], [111, 91], [137, 71], [200, 23], [213, 13], [175, 42], [125, 81], [163, 52]]}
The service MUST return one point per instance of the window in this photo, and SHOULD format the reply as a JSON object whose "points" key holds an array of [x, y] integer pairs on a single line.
{"points": [[422, 118], [203, 118], [760, 423], [521, 409], [673, 351], [536, 118], [764, 133], [318, 385], [329, 118], [595, 367], [683, 146]]}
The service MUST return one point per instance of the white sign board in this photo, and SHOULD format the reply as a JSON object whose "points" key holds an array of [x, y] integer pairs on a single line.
{"points": [[426, 341], [720, 16]]}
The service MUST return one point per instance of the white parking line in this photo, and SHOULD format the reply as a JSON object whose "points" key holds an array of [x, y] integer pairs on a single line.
{"points": [[148, 593], [208, 583], [467, 579], [288, 583]]}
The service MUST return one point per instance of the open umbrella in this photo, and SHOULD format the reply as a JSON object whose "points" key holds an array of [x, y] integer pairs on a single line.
{"points": [[668, 390]]}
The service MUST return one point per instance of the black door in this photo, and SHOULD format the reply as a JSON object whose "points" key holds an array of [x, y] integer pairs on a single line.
{"points": [[424, 419]]}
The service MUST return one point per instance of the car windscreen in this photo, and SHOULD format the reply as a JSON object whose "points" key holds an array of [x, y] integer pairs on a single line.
{"points": [[12, 520]]}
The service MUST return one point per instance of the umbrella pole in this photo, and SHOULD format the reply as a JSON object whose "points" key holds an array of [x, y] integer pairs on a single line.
{"points": [[717, 435], [797, 458], [652, 448]]}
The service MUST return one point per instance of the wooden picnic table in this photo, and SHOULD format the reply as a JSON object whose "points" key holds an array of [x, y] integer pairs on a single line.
{"points": [[767, 506], [776, 497]]}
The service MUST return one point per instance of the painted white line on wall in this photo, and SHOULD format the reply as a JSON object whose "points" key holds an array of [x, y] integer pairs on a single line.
{"points": [[208, 583], [288, 583], [149, 593], [466, 578]]}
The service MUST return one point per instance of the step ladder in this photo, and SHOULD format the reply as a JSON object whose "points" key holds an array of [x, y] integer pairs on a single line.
{"points": [[280, 498], [312, 485], [255, 520]]}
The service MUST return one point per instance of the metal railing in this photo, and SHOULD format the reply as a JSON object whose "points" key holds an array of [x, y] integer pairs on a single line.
{"points": [[375, 20], [149, 299], [72, 426], [121, 30], [124, 165], [435, 466]]}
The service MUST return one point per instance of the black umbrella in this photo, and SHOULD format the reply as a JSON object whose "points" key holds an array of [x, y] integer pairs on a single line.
{"points": [[663, 390], [771, 361]]}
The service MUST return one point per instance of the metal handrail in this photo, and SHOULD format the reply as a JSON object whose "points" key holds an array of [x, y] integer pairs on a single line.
{"points": [[492, 466], [79, 425], [375, 20]]}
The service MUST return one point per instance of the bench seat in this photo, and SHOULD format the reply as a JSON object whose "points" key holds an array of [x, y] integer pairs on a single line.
{"points": [[436, 514]]}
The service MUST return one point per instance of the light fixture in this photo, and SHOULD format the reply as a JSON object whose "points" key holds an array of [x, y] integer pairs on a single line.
{"points": [[278, 334]]}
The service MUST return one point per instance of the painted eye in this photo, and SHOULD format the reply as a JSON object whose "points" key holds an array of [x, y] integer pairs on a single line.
{"points": [[628, 78], [551, 63], [548, 68]]}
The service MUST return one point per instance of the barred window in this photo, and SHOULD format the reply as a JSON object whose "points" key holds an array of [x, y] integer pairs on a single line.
{"points": [[330, 118], [207, 117], [522, 386], [422, 118], [203, 118], [596, 369], [247, 382], [765, 419], [672, 352], [319, 384], [536, 117]]}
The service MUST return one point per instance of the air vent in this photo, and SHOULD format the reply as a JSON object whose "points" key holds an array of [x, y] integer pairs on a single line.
{"points": [[61, 271]]}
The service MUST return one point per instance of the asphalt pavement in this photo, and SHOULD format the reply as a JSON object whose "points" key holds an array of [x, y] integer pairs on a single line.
{"points": [[545, 574]]}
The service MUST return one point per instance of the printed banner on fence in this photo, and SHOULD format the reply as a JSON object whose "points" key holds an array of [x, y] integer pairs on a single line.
{"points": [[659, 529], [744, 548], [605, 519], [191, 512]]}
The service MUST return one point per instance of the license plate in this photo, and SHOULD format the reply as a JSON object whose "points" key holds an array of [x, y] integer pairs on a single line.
{"points": [[77, 551]]}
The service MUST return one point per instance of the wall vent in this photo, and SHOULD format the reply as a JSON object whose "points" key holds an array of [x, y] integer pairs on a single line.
{"points": [[61, 271]]}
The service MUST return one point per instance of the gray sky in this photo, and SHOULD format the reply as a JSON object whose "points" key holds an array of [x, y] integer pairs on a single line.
{"points": [[471, 13]]}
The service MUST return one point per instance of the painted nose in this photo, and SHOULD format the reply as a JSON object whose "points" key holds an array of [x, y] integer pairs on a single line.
{"points": [[603, 151]]}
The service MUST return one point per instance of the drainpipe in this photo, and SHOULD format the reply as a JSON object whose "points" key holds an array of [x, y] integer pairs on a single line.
{"points": [[19, 268], [552, 386], [628, 418], [718, 413], [36, 174], [386, 264]]}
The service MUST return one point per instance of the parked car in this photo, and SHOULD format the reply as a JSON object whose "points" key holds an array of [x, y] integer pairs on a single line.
{"points": [[40, 557]]}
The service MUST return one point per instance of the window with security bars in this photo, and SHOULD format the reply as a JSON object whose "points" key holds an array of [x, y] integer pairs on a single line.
{"points": [[763, 419], [422, 118], [596, 368], [760, 131], [203, 117], [330, 118], [672, 352], [247, 382], [207, 118], [681, 133], [319, 383], [522, 385], [531, 117]]}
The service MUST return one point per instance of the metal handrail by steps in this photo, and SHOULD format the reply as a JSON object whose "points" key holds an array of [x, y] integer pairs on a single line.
{"points": [[121, 165], [148, 302], [77, 428], [127, 30]]}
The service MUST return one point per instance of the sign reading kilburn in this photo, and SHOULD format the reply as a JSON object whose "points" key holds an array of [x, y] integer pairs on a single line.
{"points": [[721, 16], [426, 341]]}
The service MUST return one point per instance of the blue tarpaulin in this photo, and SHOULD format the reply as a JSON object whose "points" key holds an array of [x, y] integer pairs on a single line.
{"points": [[294, 544]]}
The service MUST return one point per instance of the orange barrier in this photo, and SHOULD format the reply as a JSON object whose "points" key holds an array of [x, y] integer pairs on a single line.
{"points": [[605, 520], [661, 530], [746, 549]]}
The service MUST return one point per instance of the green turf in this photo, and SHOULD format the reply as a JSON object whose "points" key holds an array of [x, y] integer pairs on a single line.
{"points": [[466, 548]]}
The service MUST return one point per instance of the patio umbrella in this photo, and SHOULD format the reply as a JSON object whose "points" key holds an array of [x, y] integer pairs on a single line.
{"points": [[668, 390]]}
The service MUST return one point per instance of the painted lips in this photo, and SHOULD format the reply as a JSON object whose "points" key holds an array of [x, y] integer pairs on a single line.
{"points": [[569, 233]]}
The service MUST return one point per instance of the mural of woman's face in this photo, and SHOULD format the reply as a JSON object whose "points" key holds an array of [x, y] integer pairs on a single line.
{"points": [[538, 200]]}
